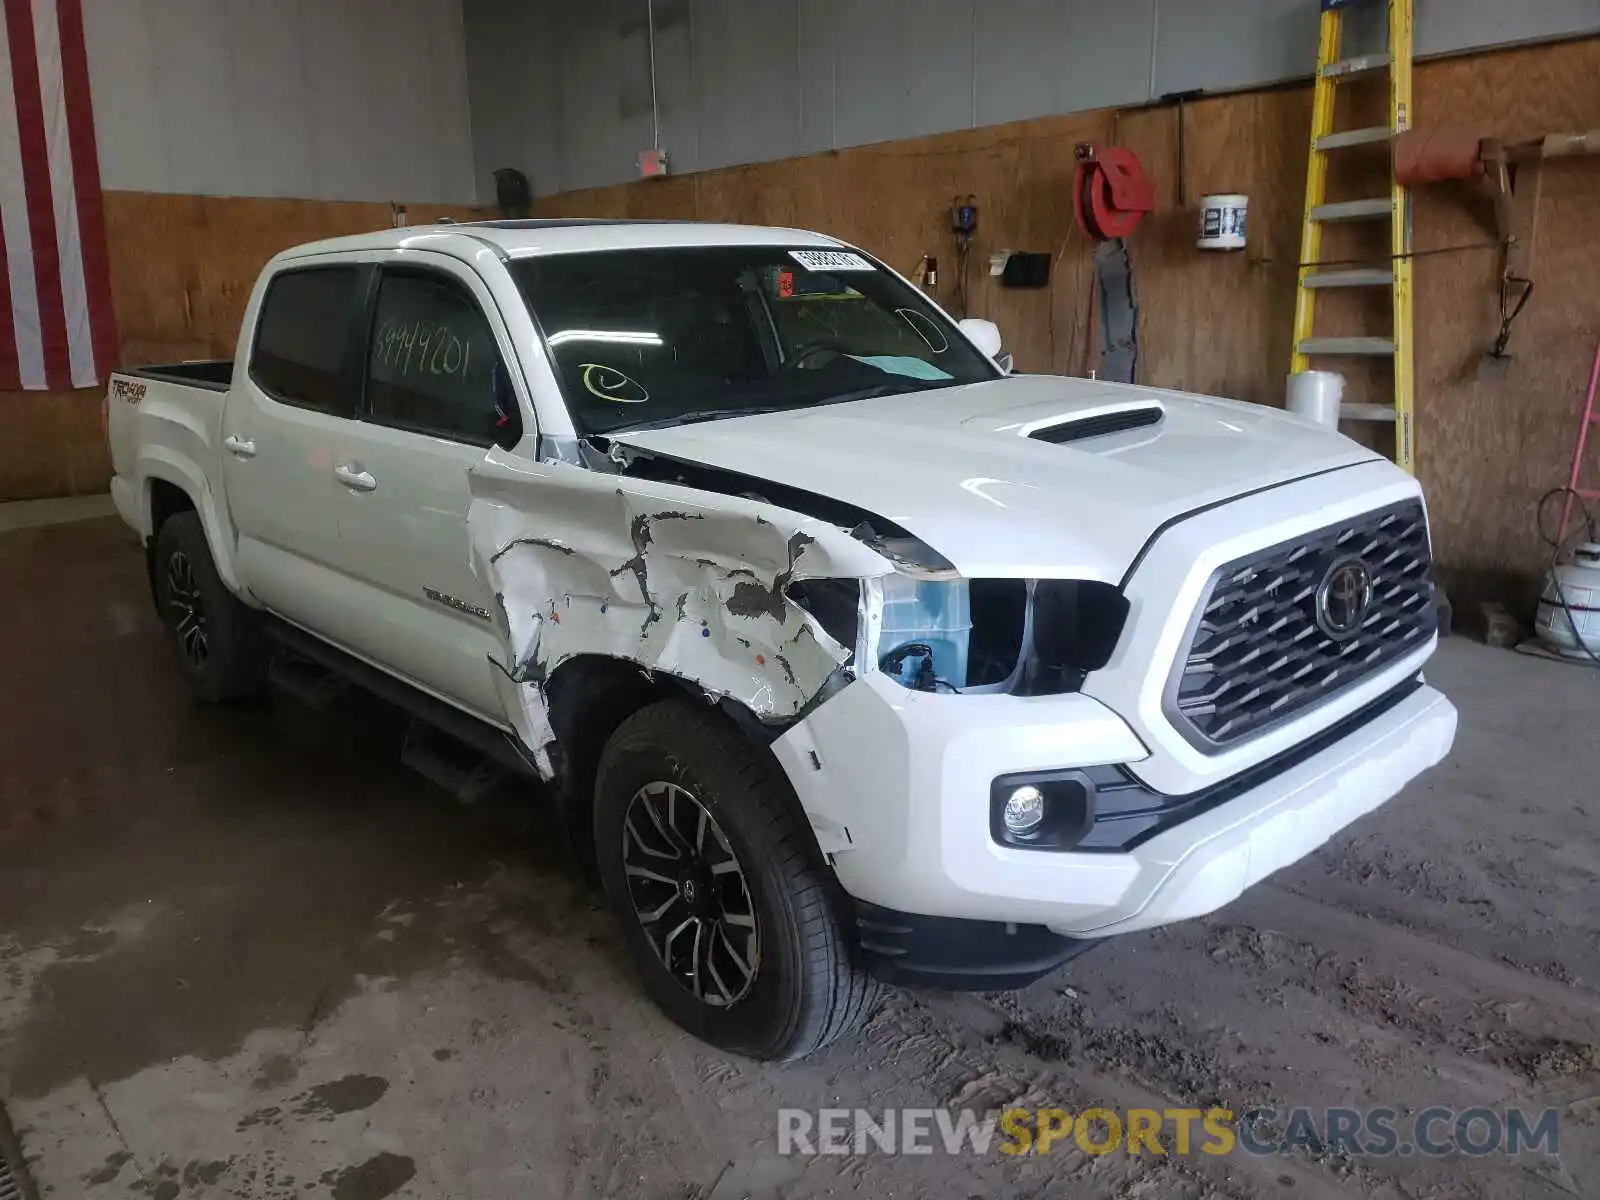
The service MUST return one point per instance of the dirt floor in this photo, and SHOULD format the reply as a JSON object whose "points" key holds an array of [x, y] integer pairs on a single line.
{"points": [[244, 953]]}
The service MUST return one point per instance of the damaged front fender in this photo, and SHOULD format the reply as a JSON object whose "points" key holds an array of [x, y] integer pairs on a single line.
{"points": [[662, 575]]}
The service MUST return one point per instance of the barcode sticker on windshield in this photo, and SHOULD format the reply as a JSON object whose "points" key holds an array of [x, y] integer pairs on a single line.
{"points": [[830, 260]]}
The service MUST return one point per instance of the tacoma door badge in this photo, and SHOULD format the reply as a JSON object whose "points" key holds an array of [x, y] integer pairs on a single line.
{"points": [[472, 610]]}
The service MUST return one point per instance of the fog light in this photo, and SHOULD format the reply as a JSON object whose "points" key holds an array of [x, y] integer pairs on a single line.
{"points": [[1024, 809]]}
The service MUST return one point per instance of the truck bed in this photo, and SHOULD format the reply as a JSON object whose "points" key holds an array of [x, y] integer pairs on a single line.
{"points": [[214, 374], [165, 422]]}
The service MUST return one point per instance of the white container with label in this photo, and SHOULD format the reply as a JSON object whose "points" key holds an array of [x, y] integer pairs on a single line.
{"points": [[1222, 221], [1569, 609]]}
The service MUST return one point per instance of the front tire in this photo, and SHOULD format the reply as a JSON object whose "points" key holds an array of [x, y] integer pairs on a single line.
{"points": [[220, 647], [739, 931]]}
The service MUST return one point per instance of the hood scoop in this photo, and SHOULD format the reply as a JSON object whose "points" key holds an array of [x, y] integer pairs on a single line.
{"points": [[1094, 422]]}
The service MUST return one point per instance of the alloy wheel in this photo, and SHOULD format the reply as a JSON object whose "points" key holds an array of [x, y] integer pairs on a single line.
{"points": [[690, 894], [187, 610]]}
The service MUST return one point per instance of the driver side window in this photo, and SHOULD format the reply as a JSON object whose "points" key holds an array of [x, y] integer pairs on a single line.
{"points": [[433, 366]]}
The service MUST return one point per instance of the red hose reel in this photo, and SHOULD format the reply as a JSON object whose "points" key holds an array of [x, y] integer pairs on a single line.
{"points": [[1110, 193]]}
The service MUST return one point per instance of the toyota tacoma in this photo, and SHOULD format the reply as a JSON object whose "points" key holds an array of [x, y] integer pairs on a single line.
{"points": [[845, 653]]}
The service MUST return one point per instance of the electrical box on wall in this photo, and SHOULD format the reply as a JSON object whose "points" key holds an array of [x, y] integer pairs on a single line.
{"points": [[652, 163]]}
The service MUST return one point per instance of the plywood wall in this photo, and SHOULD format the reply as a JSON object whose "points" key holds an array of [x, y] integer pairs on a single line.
{"points": [[1222, 323], [181, 272], [182, 266]]}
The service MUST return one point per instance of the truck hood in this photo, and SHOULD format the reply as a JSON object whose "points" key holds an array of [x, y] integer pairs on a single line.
{"points": [[1032, 476]]}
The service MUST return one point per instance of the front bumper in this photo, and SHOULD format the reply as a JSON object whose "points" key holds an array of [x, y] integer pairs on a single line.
{"points": [[896, 783]]}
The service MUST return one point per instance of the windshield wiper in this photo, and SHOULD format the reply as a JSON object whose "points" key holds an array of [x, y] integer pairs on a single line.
{"points": [[717, 414], [704, 414]]}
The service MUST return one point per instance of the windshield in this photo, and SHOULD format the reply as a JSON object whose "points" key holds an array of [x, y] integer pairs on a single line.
{"points": [[662, 337]]}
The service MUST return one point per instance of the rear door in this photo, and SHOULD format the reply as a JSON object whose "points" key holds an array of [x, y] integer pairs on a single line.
{"points": [[285, 418], [436, 397]]}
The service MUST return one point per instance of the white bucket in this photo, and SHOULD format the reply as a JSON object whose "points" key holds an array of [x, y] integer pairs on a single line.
{"points": [[1222, 222], [1315, 395]]}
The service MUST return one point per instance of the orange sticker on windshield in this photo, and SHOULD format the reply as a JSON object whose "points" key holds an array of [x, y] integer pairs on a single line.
{"points": [[785, 284]]}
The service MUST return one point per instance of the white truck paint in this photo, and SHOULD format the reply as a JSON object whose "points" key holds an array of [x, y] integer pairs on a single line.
{"points": [[474, 572]]}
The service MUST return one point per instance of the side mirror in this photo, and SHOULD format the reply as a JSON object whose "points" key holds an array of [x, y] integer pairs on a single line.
{"points": [[985, 335]]}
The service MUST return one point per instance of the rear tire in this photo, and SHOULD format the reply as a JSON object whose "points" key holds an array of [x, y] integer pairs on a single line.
{"points": [[219, 643], [681, 794]]}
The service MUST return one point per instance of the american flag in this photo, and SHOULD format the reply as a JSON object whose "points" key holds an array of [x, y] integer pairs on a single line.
{"points": [[56, 325]]}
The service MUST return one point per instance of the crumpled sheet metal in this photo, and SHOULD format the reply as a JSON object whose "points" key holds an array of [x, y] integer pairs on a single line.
{"points": [[657, 574]]}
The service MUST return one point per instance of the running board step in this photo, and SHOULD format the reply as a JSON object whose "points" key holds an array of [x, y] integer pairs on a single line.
{"points": [[453, 765], [1376, 347], [309, 682], [1350, 279], [1354, 68], [1369, 136], [1366, 412], [1353, 210]]}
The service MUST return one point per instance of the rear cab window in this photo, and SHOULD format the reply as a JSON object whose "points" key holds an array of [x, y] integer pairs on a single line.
{"points": [[302, 338]]}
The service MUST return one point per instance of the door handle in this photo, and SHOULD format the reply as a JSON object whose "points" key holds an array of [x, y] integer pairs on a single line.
{"points": [[353, 477], [239, 447]]}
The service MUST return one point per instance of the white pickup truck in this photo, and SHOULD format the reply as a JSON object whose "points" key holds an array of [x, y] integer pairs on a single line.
{"points": [[848, 655]]}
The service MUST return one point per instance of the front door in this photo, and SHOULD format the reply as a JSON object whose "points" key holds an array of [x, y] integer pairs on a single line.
{"points": [[436, 398]]}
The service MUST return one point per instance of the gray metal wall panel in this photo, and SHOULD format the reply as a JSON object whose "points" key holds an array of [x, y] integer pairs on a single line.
{"points": [[936, 66], [194, 93], [746, 56], [1218, 46], [344, 148], [1249, 42], [1107, 54], [679, 85], [275, 163], [867, 71], [506, 55], [816, 66], [901, 68], [1019, 68], [746, 80], [603, 104], [1036, 57], [127, 96], [1447, 25], [321, 99]]}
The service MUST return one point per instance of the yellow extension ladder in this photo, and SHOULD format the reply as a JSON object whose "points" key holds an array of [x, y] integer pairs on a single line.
{"points": [[1395, 208]]}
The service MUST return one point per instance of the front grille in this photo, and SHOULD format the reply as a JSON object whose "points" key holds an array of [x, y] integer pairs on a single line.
{"points": [[1259, 651]]}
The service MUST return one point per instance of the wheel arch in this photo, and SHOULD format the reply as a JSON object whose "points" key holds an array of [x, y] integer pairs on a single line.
{"points": [[589, 697], [173, 485]]}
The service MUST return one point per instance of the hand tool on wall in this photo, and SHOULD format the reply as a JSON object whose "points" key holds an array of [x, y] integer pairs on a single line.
{"points": [[963, 225], [1512, 172]]}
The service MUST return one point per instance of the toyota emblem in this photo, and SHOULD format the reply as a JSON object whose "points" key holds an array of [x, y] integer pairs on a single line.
{"points": [[1343, 597]]}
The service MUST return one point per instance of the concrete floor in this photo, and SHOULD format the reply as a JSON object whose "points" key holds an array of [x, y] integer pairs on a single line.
{"points": [[244, 953]]}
